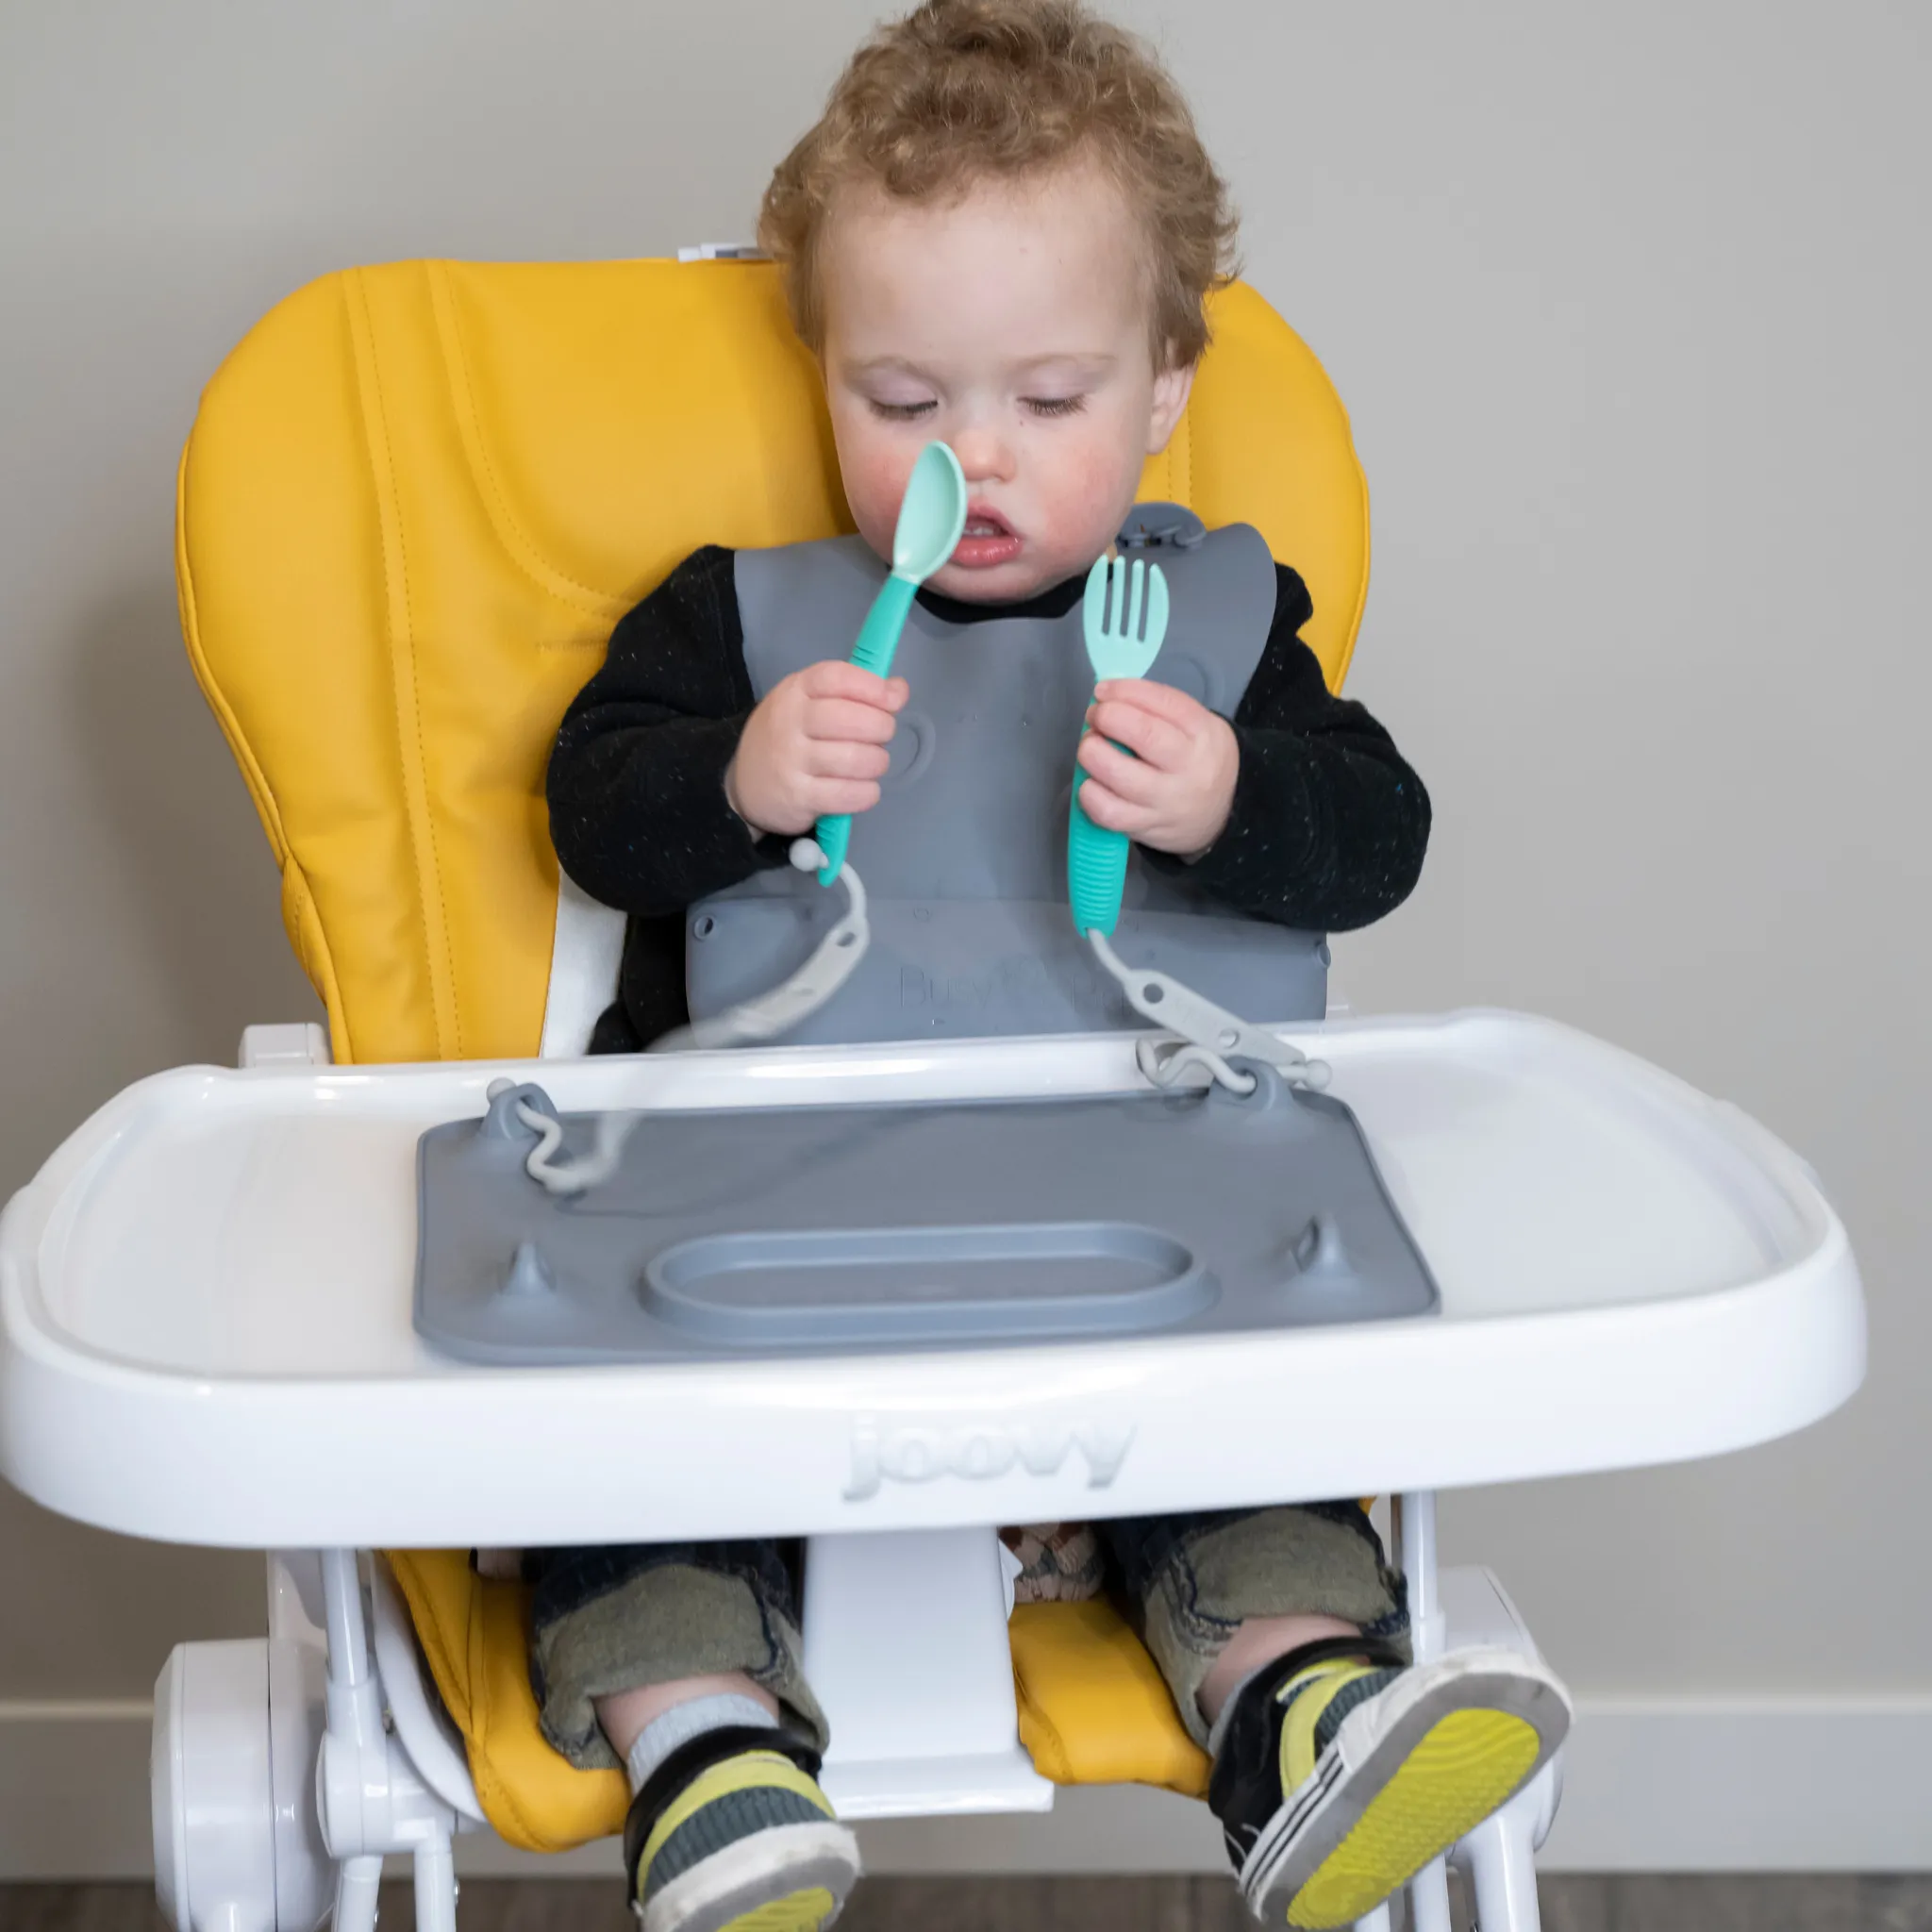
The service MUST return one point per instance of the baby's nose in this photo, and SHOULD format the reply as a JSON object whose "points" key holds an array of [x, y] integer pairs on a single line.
{"points": [[984, 455]]}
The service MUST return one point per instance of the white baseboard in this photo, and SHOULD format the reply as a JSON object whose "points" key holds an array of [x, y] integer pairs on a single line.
{"points": [[73, 1790], [1652, 1784]]}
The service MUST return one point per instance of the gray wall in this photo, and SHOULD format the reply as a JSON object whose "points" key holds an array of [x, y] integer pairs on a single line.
{"points": [[1630, 306]]}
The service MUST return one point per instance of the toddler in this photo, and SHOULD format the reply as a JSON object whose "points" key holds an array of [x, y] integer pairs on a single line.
{"points": [[1001, 233]]}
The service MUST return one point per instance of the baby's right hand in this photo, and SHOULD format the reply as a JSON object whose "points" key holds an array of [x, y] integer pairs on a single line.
{"points": [[814, 748]]}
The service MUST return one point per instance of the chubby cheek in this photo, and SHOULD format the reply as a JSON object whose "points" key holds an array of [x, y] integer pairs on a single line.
{"points": [[874, 470], [1088, 487]]}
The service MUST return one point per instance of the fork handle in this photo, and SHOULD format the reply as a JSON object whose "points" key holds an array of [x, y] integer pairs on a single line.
{"points": [[1096, 868]]}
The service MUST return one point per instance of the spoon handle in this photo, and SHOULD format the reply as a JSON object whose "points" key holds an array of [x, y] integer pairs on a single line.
{"points": [[878, 636], [878, 641]]}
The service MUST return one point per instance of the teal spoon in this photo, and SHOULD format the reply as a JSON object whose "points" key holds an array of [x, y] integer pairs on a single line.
{"points": [[932, 513], [1125, 632]]}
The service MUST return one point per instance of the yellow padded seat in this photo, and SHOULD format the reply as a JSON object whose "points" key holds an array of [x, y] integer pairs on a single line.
{"points": [[415, 500], [1093, 1708], [475, 1637]]}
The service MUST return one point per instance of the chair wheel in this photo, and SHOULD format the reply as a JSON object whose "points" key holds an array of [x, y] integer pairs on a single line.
{"points": [[238, 1847]]}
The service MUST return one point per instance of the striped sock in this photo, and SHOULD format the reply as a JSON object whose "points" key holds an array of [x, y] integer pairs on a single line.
{"points": [[672, 1729]]}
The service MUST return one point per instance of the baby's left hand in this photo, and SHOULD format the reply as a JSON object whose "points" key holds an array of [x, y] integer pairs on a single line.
{"points": [[1176, 793]]}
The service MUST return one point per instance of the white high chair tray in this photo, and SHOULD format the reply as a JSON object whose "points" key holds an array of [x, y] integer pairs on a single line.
{"points": [[205, 1331]]}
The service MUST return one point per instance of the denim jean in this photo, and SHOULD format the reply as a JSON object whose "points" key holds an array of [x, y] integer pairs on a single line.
{"points": [[611, 1619]]}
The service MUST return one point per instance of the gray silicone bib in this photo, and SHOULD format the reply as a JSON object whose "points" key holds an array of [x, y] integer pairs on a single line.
{"points": [[964, 858]]}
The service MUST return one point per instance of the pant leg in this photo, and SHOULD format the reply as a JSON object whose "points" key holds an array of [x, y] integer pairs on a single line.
{"points": [[1191, 1581], [615, 1619]]}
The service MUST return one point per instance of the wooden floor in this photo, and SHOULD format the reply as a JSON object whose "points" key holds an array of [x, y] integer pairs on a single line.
{"points": [[1086, 1904]]}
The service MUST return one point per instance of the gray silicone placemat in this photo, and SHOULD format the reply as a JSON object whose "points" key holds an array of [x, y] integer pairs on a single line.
{"points": [[758, 1232]]}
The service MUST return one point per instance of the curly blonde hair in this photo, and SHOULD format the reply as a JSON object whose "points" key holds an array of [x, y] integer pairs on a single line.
{"points": [[960, 92]]}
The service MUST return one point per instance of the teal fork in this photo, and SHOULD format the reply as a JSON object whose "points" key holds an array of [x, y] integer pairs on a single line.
{"points": [[1125, 622]]}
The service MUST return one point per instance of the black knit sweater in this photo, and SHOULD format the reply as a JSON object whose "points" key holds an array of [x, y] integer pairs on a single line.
{"points": [[1327, 833]]}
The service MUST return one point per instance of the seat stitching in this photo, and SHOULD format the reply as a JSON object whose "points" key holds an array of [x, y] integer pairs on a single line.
{"points": [[431, 904], [509, 532]]}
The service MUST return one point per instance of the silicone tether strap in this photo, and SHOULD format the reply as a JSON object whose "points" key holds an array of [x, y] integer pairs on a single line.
{"points": [[832, 964], [750, 1024], [739, 1026], [1210, 1036], [568, 1177]]}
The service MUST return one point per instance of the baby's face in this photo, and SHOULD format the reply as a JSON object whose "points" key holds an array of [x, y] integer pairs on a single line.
{"points": [[1013, 324]]}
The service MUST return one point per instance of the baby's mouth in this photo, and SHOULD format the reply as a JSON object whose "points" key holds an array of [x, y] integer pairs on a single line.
{"points": [[987, 540]]}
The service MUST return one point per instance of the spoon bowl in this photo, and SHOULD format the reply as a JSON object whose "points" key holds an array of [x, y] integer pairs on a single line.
{"points": [[932, 514]]}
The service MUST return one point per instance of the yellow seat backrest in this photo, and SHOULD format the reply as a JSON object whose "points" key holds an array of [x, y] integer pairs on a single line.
{"points": [[417, 498]]}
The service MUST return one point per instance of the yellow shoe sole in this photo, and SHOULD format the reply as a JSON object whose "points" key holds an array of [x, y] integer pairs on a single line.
{"points": [[804, 1911], [1465, 1766], [785, 1879]]}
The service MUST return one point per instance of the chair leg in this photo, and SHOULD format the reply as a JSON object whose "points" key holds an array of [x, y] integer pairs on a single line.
{"points": [[1429, 1899], [436, 1886], [1412, 1521], [1500, 1854], [1380, 1920], [359, 1882], [1501, 1858], [370, 1797]]}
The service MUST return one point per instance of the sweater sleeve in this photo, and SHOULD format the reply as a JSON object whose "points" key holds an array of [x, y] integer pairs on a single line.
{"points": [[636, 785], [1329, 823]]}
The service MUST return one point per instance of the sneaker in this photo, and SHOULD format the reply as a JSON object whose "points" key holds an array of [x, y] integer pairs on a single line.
{"points": [[1344, 1771], [732, 1834]]}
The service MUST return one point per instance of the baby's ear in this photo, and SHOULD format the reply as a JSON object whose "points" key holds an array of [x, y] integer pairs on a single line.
{"points": [[1172, 387]]}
